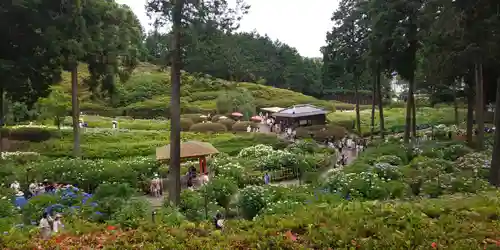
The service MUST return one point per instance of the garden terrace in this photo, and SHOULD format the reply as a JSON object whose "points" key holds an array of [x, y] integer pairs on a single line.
{"points": [[117, 144], [140, 96], [394, 118]]}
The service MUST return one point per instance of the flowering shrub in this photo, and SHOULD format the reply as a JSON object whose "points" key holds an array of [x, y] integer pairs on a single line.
{"points": [[391, 159], [454, 151], [477, 163], [18, 154], [303, 146], [253, 199], [281, 207], [256, 151], [474, 161], [220, 190], [133, 213], [193, 205], [278, 159], [88, 174], [367, 185], [111, 198], [442, 223], [387, 171]]}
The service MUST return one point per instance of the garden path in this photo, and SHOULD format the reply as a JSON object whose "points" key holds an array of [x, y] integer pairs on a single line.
{"points": [[351, 155]]}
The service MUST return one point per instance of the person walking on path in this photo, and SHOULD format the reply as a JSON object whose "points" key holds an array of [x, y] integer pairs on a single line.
{"points": [[267, 179], [155, 186]]}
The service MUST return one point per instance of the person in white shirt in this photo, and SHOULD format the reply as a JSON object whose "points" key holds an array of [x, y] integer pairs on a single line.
{"points": [[32, 188], [57, 224], [15, 185], [249, 129], [44, 225], [204, 179]]}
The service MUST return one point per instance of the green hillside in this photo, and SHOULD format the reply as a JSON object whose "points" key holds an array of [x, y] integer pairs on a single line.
{"points": [[146, 94]]}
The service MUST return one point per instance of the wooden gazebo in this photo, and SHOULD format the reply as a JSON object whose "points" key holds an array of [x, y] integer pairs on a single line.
{"points": [[189, 149], [301, 115]]}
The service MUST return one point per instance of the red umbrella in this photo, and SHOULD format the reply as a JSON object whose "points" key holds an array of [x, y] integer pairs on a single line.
{"points": [[237, 114], [256, 118]]}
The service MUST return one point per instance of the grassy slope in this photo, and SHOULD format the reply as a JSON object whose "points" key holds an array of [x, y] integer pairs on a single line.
{"points": [[149, 88], [396, 117]]}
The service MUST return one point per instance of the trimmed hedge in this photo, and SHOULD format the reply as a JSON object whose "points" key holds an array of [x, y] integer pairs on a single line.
{"points": [[321, 132], [241, 126], [208, 127], [186, 124], [196, 118], [32, 134], [228, 123]]}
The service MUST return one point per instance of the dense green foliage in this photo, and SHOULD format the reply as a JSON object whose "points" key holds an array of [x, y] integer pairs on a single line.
{"points": [[244, 57]]}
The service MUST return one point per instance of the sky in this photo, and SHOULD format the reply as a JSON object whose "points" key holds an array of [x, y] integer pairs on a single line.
{"points": [[301, 26]]}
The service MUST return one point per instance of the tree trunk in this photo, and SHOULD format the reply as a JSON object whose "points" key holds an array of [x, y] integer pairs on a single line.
{"points": [[479, 106], [409, 107], [455, 104], [380, 103], [358, 116], [374, 92], [2, 115], [495, 158], [470, 113], [175, 110], [75, 112], [414, 117]]}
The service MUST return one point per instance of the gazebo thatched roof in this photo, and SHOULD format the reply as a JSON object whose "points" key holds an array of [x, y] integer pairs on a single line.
{"points": [[189, 149]]}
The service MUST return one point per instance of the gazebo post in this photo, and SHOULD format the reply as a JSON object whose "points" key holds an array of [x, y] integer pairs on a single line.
{"points": [[201, 164], [204, 164]]}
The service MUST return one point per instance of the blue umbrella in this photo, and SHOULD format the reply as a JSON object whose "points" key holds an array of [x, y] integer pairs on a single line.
{"points": [[20, 201], [51, 208]]}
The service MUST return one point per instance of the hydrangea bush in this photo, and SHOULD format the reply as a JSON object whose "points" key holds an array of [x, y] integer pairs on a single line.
{"points": [[256, 151], [252, 199]]}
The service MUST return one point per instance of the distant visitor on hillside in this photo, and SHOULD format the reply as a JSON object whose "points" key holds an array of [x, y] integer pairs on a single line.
{"points": [[249, 129], [114, 124]]}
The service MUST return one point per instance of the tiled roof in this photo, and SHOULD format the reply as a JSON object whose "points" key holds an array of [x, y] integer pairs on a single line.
{"points": [[300, 111]]}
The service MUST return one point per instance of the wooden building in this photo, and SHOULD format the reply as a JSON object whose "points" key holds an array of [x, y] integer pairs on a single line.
{"points": [[300, 115]]}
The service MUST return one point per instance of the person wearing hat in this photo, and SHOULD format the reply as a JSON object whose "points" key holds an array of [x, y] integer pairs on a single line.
{"points": [[57, 224], [32, 188]]}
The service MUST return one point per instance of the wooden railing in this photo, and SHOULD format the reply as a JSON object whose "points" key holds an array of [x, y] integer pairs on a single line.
{"points": [[283, 174]]}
